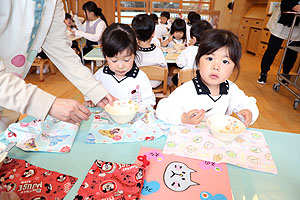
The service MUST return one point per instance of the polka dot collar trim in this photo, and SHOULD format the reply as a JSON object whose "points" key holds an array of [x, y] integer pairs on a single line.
{"points": [[201, 88], [147, 49]]}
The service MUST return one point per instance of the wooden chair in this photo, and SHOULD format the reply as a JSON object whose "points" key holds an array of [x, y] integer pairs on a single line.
{"points": [[40, 62], [161, 74], [184, 75]]}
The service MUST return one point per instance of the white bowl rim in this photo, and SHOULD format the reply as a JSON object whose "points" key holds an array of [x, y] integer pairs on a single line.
{"points": [[228, 116], [124, 114]]}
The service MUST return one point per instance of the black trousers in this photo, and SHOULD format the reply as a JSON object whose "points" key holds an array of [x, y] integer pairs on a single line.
{"points": [[271, 52]]}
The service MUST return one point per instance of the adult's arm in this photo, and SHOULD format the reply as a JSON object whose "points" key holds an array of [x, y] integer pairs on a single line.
{"points": [[58, 49], [16, 95]]}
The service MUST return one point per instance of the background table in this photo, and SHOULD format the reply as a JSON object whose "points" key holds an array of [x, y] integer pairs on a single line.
{"points": [[246, 184], [93, 55], [73, 37]]}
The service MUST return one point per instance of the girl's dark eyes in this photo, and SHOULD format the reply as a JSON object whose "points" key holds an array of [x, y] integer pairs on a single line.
{"points": [[225, 61], [209, 58], [127, 60]]}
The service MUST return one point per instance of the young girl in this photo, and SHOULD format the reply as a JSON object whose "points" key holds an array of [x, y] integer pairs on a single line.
{"points": [[178, 34], [93, 27], [218, 56], [122, 77], [144, 27]]}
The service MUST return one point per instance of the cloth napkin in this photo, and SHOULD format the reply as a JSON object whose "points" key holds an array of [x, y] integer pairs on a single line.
{"points": [[145, 126], [32, 182], [249, 150], [50, 135]]}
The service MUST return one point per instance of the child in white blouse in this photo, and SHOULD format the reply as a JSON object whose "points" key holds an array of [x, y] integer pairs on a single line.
{"points": [[177, 34], [144, 27], [186, 59], [122, 78], [218, 56]]}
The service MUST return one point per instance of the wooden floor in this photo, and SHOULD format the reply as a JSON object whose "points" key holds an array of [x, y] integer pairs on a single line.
{"points": [[276, 108]]}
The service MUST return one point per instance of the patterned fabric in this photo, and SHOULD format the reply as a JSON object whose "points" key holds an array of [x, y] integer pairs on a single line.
{"points": [[31, 182], [50, 135], [249, 150], [145, 126], [107, 180]]}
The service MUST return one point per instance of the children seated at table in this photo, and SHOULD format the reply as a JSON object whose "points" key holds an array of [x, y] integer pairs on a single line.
{"points": [[219, 54], [148, 54], [192, 18], [163, 28], [186, 59], [122, 78], [177, 34], [93, 27]]}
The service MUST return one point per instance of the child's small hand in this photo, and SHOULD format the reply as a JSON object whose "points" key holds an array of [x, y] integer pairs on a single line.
{"points": [[89, 104], [193, 117], [170, 38], [247, 114]]}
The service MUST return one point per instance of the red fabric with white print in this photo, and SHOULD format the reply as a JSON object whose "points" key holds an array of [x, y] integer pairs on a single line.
{"points": [[33, 183], [107, 180]]}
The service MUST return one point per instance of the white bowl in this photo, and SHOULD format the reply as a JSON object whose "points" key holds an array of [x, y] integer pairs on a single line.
{"points": [[122, 111], [225, 127], [3, 155]]}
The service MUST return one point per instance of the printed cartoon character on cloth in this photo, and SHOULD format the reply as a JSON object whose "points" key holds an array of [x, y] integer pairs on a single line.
{"points": [[103, 168], [108, 186], [115, 134], [28, 173], [136, 95]]}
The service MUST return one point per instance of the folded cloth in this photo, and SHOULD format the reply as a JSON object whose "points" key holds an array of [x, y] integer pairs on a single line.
{"points": [[50, 135], [249, 150], [108, 180], [32, 182], [145, 126]]}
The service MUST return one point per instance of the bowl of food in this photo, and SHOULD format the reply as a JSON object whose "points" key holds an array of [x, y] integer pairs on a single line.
{"points": [[225, 127], [2, 155], [122, 111], [178, 46]]}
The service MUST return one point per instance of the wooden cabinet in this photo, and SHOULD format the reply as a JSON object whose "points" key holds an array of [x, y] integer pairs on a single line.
{"points": [[251, 27], [253, 40]]}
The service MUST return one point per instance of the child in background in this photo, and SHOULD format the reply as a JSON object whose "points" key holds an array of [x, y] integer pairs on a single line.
{"points": [[163, 28], [192, 18], [144, 27], [155, 40], [219, 54], [186, 59], [122, 78], [178, 34], [93, 27], [70, 25]]}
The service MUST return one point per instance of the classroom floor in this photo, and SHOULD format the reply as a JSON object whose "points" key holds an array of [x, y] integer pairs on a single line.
{"points": [[276, 109]]}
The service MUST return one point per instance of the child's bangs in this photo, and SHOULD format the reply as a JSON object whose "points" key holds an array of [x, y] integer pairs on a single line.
{"points": [[117, 44]]}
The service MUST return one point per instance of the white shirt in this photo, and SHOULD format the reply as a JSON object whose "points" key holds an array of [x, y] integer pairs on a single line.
{"points": [[149, 57], [195, 95], [175, 41], [135, 86], [188, 32], [96, 37], [186, 59], [162, 30]]}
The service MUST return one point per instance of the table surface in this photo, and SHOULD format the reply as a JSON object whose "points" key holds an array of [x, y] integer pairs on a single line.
{"points": [[94, 54], [245, 184]]}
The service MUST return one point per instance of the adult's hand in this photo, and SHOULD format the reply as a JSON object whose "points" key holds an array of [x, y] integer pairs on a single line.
{"points": [[108, 99], [9, 196], [69, 110]]}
